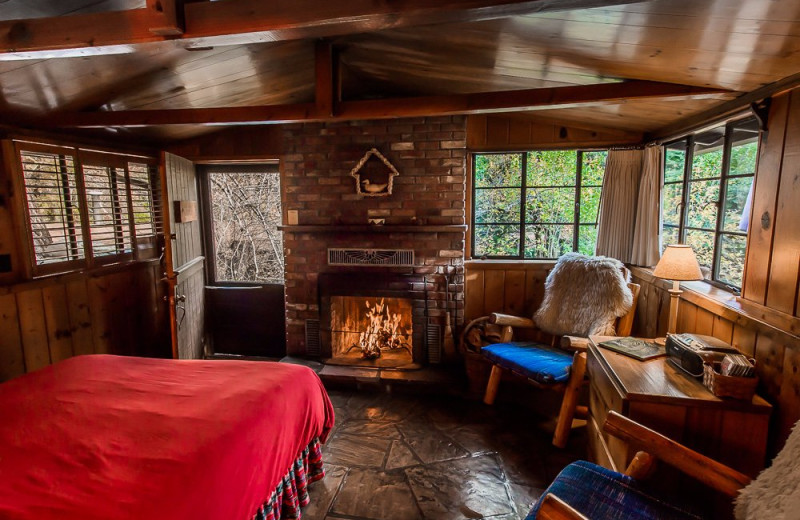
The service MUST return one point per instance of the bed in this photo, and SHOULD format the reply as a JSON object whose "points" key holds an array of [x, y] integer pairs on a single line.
{"points": [[110, 437]]}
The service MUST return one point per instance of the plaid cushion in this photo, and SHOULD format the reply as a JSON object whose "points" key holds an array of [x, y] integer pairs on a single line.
{"points": [[597, 492], [542, 363]]}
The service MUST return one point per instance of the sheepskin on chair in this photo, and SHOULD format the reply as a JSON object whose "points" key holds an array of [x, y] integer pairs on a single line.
{"points": [[775, 493], [583, 295]]}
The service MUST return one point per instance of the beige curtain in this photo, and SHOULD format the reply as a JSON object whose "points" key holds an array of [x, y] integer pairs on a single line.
{"points": [[618, 204], [647, 229]]}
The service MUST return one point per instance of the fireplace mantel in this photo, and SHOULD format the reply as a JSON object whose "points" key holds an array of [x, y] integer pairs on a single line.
{"points": [[373, 229]]}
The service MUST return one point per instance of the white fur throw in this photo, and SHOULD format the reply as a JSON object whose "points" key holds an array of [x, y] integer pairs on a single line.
{"points": [[775, 494], [583, 295]]}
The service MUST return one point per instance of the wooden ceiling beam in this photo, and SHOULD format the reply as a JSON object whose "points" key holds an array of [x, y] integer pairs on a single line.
{"points": [[325, 72], [166, 18], [486, 102], [229, 22]]}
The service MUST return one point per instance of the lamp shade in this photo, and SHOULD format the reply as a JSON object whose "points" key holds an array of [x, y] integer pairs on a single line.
{"points": [[678, 263]]}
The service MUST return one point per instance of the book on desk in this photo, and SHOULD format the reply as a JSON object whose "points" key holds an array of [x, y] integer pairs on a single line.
{"points": [[636, 348]]}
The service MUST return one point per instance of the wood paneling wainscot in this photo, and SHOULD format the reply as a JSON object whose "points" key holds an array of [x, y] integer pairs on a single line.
{"points": [[515, 288], [111, 311]]}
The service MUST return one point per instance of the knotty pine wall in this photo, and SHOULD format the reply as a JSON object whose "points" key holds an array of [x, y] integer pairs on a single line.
{"points": [[108, 312]]}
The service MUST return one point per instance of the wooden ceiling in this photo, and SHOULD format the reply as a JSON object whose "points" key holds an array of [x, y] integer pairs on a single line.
{"points": [[158, 78]]}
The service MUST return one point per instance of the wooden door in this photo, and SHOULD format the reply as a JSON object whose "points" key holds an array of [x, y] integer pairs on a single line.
{"points": [[184, 261]]}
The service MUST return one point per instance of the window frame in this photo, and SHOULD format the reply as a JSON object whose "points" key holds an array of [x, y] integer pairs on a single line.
{"points": [[141, 247], [576, 220], [723, 178]]}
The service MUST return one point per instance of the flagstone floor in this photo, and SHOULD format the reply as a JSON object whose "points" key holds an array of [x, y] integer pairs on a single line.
{"points": [[408, 457]]}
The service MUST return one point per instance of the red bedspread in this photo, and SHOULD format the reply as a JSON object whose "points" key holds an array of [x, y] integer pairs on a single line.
{"points": [[107, 437]]}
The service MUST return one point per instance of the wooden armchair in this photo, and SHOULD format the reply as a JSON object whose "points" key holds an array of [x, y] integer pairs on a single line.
{"points": [[561, 369], [582, 489]]}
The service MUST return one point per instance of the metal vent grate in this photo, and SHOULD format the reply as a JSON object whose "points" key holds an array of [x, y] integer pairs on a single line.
{"points": [[395, 257], [434, 339], [313, 346]]}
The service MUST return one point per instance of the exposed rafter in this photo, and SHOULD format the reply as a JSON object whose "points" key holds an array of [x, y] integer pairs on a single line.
{"points": [[532, 99], [228, 22]]}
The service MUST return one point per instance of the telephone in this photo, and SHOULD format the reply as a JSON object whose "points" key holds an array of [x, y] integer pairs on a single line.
{"points": [[688, 352]]}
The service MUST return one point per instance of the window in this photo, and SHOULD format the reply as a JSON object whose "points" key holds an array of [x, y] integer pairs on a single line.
{"points": [[708, 180], [538, 204], [246, 212], [53, 206], [85, 208]]}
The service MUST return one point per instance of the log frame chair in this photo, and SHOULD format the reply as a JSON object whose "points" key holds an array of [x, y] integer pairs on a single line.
{"points": [[569, 403], [659, 447]]}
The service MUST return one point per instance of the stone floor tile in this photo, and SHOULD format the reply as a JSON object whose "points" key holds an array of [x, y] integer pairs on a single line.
{"points": [[384, 430], [430, 444], [461, 489], [374, 494], [401, 456], [353, 450], [524, 497], [322, 492]]}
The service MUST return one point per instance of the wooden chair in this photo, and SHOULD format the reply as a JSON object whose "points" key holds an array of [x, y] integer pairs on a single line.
{"points": [[581, 490], [561, 369]]}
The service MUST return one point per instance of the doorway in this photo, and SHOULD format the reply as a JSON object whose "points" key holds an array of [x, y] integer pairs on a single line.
{"points": [[245, 292]]}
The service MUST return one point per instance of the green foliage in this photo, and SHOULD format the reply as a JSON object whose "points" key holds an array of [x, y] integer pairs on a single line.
{"points": [[706, 164], [542, 241], [593, 168], [671, 200], [550, 205], [498, 170], [743, 158], [497, 205], [552, 168], [703, 199], [497, 240], [674, 163]]}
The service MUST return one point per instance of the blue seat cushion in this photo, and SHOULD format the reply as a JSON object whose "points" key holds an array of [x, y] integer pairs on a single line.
{"points": [[542, 363], [599, 493]]}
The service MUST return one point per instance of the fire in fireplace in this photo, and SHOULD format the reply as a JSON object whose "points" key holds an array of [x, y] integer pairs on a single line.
{"points": [[371, 328]]}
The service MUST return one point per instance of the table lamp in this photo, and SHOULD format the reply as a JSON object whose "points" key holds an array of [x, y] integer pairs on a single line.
{"points": [[679, 264]]}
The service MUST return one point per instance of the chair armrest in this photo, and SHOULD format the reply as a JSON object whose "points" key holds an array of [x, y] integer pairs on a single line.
{"points": [[575, 343], [511, 321], [706, 470], [553, 508]]}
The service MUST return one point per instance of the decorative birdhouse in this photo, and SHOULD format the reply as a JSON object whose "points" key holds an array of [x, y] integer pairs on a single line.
{"points": [[374, 175]]}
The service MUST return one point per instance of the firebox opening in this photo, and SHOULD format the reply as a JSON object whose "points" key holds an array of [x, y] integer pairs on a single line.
{"points": [[373, 331]]}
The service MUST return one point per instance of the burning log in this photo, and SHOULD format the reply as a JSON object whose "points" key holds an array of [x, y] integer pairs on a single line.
{"points": [[384, 332]]}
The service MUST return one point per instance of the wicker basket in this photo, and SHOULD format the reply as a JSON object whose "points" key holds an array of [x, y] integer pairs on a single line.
{"points": [[728, 386]]}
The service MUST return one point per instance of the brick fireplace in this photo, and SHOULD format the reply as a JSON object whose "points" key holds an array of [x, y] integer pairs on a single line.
{"points": [[423, 214]]}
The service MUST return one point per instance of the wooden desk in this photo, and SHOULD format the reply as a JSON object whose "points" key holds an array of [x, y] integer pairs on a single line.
{"points": [[657, 395]]}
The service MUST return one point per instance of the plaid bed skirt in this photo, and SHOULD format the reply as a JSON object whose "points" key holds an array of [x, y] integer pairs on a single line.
{"points": [[292, 492]]}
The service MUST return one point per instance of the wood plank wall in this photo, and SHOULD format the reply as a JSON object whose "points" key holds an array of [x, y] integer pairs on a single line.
{"points": [[510, 287], [497, 133], [109, 312], [772, 272]]}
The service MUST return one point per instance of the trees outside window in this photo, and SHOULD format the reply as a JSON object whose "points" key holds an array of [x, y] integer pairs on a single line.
{"points": [[246, 213], [708, 180], [537, 204]]}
